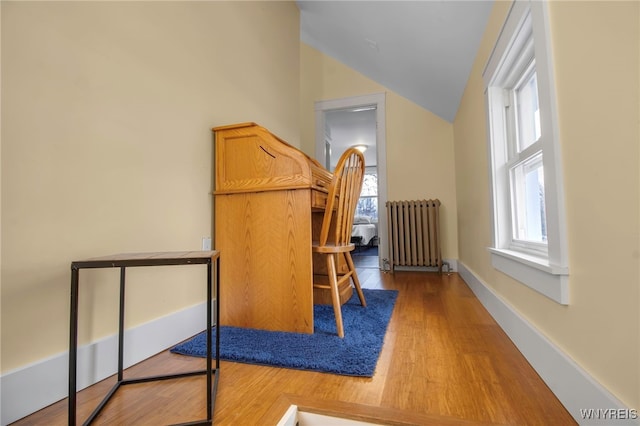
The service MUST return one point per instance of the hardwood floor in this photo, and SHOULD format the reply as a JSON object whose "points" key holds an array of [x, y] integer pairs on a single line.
{"points": [[365, 261], [444, 361]]}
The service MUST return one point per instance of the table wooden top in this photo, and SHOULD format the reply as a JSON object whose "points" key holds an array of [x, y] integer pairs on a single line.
{"points": [[148, 259]]}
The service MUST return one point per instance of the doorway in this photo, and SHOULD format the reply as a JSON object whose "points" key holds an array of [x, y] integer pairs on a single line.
{"points": [[359, 121]]}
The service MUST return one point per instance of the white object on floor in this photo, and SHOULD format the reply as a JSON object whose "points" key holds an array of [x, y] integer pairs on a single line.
{"points": [[293, 417]]}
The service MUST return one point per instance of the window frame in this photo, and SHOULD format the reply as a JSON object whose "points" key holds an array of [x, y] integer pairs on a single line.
{"points": [[525, 37]]}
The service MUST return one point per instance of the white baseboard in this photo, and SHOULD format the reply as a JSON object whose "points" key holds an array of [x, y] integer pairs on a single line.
{"points": [[31, 388], [573, 386]]}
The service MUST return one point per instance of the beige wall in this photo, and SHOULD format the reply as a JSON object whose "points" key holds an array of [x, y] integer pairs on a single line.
{"points": [[420, 158], [596, 54], [107, 110]]}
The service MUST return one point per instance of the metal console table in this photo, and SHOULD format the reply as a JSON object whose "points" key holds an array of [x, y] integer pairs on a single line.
{"points": [[124, 261]]}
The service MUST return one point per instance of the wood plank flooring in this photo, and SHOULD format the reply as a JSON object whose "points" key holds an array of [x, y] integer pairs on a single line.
{"points": [[444, 361]]}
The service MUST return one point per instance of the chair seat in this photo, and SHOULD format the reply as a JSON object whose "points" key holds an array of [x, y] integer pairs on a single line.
{"points": [[332, 248]]}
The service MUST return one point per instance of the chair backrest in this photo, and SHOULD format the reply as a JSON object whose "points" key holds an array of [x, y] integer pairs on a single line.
{"points": [[344, 191]]}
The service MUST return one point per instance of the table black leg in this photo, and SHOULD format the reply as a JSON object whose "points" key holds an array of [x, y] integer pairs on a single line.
{"points": [[209, 318], [217, 313], [121, 326], [73, 346]]}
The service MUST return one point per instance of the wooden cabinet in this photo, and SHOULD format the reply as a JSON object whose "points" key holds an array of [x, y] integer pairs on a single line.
{"points": [[267, 196]]}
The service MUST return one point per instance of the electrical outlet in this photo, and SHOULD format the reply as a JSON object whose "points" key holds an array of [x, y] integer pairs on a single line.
{"points": [[206, 243]]}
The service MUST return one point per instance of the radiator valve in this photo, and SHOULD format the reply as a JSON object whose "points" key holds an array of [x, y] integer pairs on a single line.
{"points": [[386, 266], [448, 267]]}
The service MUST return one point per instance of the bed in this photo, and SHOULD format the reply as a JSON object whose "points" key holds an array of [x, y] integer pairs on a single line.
{"points": [[364, 231]]}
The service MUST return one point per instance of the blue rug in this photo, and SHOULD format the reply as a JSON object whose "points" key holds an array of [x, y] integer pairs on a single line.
{"points": [[354, 355]]}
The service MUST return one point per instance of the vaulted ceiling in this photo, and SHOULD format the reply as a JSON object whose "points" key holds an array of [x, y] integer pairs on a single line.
{"points": [[422, 50]]}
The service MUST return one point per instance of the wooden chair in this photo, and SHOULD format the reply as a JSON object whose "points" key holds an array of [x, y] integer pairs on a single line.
{"points": [[337, 223]]}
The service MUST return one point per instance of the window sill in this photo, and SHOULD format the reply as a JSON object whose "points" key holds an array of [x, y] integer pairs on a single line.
{"points": [[534, 272]]}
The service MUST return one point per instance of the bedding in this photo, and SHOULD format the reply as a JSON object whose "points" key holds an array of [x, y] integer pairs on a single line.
{"points": [[365, 230]]}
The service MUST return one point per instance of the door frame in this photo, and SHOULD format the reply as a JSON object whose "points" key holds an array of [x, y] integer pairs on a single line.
{"points": [[377, 100]]}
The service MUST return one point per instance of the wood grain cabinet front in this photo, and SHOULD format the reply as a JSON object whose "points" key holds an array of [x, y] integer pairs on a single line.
{"points": [[266, 196]]}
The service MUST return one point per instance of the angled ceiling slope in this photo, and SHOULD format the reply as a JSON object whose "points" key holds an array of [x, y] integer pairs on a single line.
{"points": [[422, 50]]}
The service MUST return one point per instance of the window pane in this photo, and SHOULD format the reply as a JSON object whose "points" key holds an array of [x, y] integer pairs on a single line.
{"points": [[528, 201], [528, 112], [368, 202], [368, 206], [369, 184]]}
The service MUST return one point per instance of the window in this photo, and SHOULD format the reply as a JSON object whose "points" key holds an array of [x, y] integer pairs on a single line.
{"points": [[529, 241], [368, 202]]}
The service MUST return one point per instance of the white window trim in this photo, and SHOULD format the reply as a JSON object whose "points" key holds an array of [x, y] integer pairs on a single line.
{"points": [[548, 274]]}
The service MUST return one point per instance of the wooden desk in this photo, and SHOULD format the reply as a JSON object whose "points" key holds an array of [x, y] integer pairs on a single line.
{"points": [[266, 193], [124, 261]]}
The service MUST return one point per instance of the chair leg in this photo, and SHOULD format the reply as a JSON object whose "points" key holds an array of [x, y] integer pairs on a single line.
{"points": [[354, 277], [335, 296]]}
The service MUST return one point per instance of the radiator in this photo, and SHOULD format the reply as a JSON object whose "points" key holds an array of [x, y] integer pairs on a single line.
{"points": [[414, 233]]}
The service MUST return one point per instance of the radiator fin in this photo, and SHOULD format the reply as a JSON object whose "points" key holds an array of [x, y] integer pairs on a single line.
{"points": [[414, 233]]}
